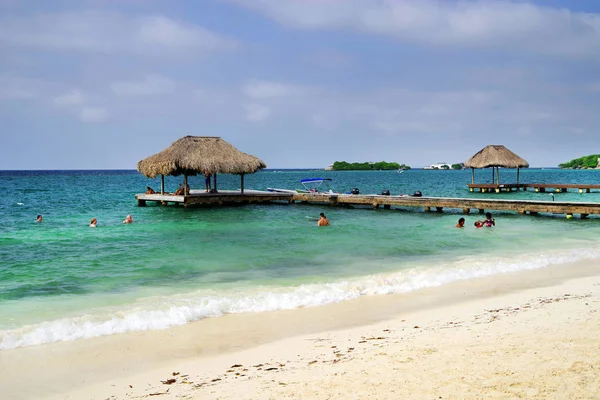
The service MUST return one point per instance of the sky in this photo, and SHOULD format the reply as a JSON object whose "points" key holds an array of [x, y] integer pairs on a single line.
{"points": [[102, 84]]}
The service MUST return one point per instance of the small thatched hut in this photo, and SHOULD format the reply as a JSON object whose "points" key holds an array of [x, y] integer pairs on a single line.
{"points": [[192, 155], [495, 156]]}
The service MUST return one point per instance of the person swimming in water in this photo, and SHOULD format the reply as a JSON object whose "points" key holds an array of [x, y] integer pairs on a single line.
{"points": [[489, 221], [461, 223], [39, 218], [323, 221], [478, 224], [128, 220], [93, 223]]}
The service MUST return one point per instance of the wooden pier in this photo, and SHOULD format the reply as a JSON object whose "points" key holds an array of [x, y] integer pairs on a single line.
{"points": [[537, 187], [222, 197], [428, 204], [438, 204]]}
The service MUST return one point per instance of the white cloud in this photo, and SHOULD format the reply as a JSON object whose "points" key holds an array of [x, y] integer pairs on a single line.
{"points": [[482, 23], [108, 32], [93, 114], [72, 98], [267, 89], [149, 85], [257, 112]]}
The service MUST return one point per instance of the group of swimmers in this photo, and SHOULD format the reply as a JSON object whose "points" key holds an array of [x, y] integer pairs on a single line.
{"points": [[94, 222], [488, 222]]}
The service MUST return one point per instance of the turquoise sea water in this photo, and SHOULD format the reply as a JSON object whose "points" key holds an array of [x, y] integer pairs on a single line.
{"points": [[61, 280]]}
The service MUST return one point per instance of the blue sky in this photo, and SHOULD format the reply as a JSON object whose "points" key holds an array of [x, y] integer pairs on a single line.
{"points": [[298, 83]]}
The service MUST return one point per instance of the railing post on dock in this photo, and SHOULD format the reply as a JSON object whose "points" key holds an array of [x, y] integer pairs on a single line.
{"points": [[242, 175], [439, 209], [427, 209], [584, 216], [141, 203], [162, 184], [466, 210]]}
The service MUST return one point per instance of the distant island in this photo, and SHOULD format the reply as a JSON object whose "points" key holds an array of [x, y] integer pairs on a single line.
{"points": [[586, 162], [366, 166], [445, 166]]}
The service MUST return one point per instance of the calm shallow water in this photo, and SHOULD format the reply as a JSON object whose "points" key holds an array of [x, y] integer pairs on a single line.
{"points": [[61, 280]]}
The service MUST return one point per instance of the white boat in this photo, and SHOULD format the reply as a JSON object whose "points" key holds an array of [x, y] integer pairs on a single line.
{"points": [[311, 185], [276, 190]]}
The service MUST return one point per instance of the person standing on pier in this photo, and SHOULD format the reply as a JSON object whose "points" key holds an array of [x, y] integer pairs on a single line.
{"points": [[207, 176]]}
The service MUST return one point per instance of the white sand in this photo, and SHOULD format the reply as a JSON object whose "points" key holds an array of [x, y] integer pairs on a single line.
{"points": [[533, 335]]}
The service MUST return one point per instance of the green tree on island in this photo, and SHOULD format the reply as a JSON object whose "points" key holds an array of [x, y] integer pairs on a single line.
{"points": [[585, 162], [366, 166]]}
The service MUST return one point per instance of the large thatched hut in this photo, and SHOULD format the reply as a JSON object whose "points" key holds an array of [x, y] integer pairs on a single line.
{"points": [[192, 155], [495, 156]]}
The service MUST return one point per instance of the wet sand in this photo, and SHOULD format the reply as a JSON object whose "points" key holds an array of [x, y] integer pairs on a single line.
{"points": [[532, 334]]}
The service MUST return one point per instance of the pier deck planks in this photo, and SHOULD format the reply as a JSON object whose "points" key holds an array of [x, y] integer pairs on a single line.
{"points": [[538, 187], [223, 197], [464, 204], [425, 203]]}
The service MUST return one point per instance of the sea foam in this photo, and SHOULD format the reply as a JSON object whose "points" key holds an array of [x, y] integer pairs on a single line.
{"points": [[164, 312]]}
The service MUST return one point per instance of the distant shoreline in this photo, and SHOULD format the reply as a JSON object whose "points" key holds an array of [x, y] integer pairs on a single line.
{"points": [[263, 170]]}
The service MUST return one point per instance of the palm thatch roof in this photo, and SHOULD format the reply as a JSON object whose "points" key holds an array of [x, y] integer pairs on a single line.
{"points": [[496, 156], [191, 155]]}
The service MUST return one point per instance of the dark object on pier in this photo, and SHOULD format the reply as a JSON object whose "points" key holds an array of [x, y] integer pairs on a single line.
{"points": [[385, 192], [417, 194], [355, 191]]}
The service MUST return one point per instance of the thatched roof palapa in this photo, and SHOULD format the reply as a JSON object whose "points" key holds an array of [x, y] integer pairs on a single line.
{"points": [[191, 155], [496, 156]]}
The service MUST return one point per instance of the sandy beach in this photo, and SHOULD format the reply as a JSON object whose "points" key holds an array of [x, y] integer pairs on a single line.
{"points": [[529, 335]]}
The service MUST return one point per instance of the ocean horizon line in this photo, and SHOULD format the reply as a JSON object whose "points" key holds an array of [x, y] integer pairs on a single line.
{"points": [[264, 169]]}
